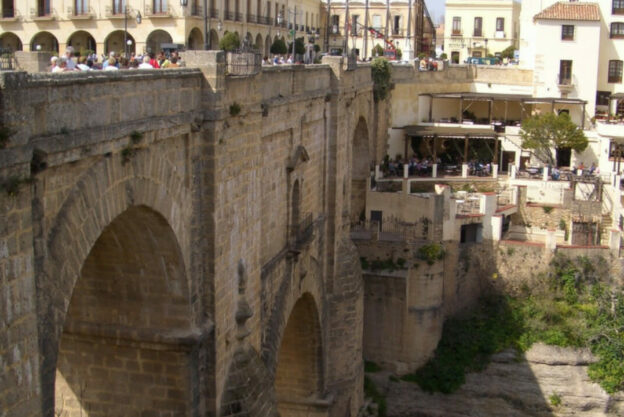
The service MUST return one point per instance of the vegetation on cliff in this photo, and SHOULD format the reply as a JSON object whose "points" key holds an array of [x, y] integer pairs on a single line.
{"points": [[573, 305]]}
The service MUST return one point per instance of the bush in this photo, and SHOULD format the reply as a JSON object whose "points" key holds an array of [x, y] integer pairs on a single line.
{"points": [[299, 46], [279, 47], [431, 253], [229, 42], [443, 56], [378, 50], [381, 74]]}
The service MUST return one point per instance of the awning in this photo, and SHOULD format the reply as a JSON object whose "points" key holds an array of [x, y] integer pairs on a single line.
{"points": [[451, 132]]}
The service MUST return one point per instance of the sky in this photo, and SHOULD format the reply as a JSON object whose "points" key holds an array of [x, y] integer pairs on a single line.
{"points": [[436, 9]]}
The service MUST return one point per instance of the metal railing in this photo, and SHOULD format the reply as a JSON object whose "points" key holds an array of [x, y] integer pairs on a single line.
{"points": [[164, 10], [265, 20], [197, 10], [238, 16], [252, 18], [214, 13], [228, 15], [391, 229], [73, 11], [7, 60]]}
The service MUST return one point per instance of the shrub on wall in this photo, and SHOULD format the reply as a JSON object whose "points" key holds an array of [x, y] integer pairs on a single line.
{"points": [[230, 42], [381, 74]]}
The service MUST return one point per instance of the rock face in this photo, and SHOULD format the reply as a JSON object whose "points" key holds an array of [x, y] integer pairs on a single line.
{"points": [[511, 388]]}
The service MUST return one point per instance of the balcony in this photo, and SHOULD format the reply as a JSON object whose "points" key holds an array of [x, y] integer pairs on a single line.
{"points": [[456, 33], [398, 33], [301, 234], [499, 34], [42, 13], [238, 16], [79, 13], [478, 33], [114, 12], [214, 13], [265, 20], [8, 14], [252, 18], [566, 82], [158, 12], [197, 10]]}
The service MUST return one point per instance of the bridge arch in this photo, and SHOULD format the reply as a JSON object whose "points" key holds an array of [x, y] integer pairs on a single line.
{"points": [[147, 192], [299, 372], [360, 169]]}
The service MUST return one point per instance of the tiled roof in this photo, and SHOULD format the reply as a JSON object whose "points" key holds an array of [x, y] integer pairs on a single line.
{"points": [[571, 11]]}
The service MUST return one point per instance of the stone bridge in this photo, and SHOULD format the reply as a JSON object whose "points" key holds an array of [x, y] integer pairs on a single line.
{"points": [[175, 243]]}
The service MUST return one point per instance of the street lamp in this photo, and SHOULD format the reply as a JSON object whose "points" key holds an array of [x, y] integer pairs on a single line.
{"points": [[280, 19], [138, 20]]}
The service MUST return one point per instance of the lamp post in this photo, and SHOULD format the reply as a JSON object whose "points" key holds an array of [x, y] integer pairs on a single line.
{"points": [[138, 20], [280, 19]]}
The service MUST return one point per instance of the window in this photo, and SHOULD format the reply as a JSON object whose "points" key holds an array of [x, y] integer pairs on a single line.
{"points": [[43, 7], [565, 72], [500, 24], [160, 6], [567, 32], [617, 7], [396, 27], [478, 27], [615, 71], [355, 25], [7, 8], [617, 30], [602, 98], [335, 24], [376, 21], [456, 26]]}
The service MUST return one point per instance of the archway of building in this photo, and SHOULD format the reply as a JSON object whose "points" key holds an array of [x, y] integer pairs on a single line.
{"points": [[195, 39], [82, 42], [214, 40], [115, 42], [249, 40], [267, 45], [10, 41], [360, 170], [119, 353], [259, 45], [155, 39], [299, 373], [44, 41]]}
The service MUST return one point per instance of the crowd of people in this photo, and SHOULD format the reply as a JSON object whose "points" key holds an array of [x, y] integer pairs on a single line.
{"points": [[71, 61]]}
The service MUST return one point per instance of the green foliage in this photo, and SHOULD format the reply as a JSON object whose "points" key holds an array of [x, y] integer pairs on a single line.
{"points": [[554, 399], [562, 224], [571, 309], [235, 109], [431, 253], [371, 367], [381, 74], [443, 56], [547, 209], [370, 391], [508, 52], [299, 46], [399, 53], [127, 153], [378, 50], [548, 131], [229, 42], [383, 264], [317, 48], [136, 136], [279, 47], [364, 263]]}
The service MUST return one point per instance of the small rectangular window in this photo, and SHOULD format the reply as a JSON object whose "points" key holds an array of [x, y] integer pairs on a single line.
{"points": [[617, 7], [567, 32], [617, 30], [615, 71], [500, 24], [565, 72], [456, 26], [478, 27], [602, 98]]}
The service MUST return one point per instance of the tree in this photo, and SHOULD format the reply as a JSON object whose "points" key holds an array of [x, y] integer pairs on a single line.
{"points": [[378, 50], [547, 132], [299, 46], [381, 72], [229, 42], [508, 52], [279, 47]]}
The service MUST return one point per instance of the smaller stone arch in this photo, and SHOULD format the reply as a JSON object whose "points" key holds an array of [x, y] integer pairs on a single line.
{"points": [[9, 40], [249, 39], [259, 45], [360, 169], [156, 38], [299, 372], [267, 45], [115, 42], [214, 39], [44, 41], [82, 42], [195, 39]]}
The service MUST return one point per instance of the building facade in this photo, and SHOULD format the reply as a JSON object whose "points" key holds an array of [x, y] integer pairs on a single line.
{"points": [[406, 25], [144, 25], [478, 28]]}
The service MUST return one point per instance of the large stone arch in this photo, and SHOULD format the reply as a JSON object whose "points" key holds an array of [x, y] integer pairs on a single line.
{"points": [[214, 39], [267, 45], [360, 169], [299, 372], [101, 195], [119, 352], [82, 41], [195, 39], [44, 41], [259, 45], [156, 38], [11, 41], [114, 42]]}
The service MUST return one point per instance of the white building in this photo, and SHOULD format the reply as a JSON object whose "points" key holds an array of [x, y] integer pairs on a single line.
{"points": [[476, 28]]}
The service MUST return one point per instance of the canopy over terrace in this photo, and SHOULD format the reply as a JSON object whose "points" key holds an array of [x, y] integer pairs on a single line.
{"points": [[466, 100], [446, 142]]}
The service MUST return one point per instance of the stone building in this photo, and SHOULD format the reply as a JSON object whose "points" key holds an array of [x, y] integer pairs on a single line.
{"points": [[183, 250], [100, 26], [406, 24]]}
